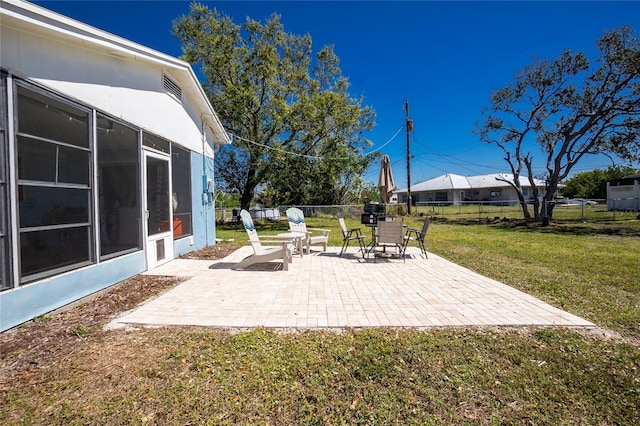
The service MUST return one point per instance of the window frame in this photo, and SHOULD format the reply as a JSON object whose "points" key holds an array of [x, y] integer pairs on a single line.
{"points": [[24, 232], [441, 196], [102, 256], [186, 229], [6, 275]]}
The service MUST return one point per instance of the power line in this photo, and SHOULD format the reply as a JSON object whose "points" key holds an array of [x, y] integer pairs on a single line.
{"points": [[312, 157]]}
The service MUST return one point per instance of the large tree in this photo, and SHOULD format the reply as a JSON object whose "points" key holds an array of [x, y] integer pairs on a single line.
{"points": [[568, 110], [297, 133]]}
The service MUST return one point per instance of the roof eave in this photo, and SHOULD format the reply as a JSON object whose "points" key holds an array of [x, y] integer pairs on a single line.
{"points": [[28, 14]]}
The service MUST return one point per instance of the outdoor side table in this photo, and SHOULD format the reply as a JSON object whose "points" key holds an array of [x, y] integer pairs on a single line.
{"points": [[296, 239]]}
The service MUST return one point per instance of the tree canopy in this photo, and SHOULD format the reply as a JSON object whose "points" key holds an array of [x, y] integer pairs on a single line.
{"points": [[565, 109], [593, 184], [297, 132]]}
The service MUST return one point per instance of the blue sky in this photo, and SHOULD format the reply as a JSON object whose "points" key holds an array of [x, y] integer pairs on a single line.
{"points": [[444, 58]]}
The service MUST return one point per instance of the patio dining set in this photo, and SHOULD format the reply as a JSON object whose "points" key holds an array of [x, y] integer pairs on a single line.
{"points": [[389, 238], [387, 232]]}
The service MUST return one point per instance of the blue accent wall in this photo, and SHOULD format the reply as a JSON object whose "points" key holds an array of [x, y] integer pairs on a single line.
{"points": [[30, 301], [202, 208], [204, 224]]}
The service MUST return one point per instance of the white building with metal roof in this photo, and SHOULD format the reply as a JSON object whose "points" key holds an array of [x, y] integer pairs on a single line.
{"points": [[452, 188]]}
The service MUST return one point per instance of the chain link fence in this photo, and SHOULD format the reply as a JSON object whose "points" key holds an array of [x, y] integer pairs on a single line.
{"points": [[568, 209], [576, 209], [348, 211]]}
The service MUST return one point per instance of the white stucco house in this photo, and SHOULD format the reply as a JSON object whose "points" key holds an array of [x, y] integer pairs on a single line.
{"points": [[106, 160], [624, 194], [452, 188]]}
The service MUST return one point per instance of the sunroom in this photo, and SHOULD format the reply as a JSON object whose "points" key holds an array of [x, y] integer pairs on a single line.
{"points": [[106, 160]]}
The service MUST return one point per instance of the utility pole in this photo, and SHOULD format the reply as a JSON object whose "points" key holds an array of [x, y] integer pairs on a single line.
{"points": [[409, 129]]}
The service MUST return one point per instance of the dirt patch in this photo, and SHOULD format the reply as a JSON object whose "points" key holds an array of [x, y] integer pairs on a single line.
{"points": [[212, 252], [51, 337]]}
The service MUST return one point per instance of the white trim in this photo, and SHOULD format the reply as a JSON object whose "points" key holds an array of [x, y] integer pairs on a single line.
{"points": [[93, 143], [12, 185], [166, 237]]}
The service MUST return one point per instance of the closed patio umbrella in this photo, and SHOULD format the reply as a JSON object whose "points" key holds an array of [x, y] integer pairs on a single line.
{"points": [[385, 180]]}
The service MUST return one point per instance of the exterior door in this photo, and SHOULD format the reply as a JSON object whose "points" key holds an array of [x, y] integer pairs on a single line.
{"points": [[158, 209]]}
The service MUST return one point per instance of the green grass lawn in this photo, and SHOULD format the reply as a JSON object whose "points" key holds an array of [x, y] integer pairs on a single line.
{"points": [[516, 376], [582, 269], [372, 377], [589, 269]]}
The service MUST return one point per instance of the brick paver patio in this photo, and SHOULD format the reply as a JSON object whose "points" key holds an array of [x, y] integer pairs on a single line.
{"points": [[323, 290]]}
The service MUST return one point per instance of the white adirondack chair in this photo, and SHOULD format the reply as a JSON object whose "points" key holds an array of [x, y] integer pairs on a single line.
{"points": [[281, 250], [295, 217]]}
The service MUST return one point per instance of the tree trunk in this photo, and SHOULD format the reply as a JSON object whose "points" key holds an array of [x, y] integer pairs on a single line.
{"points": [[245, 199], [248, 192], [549, 197], [536, 203], [523, 203], [549, 203]]}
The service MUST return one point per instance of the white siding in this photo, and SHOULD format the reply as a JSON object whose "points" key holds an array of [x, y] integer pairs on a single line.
{"points": [[109, 83]]}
